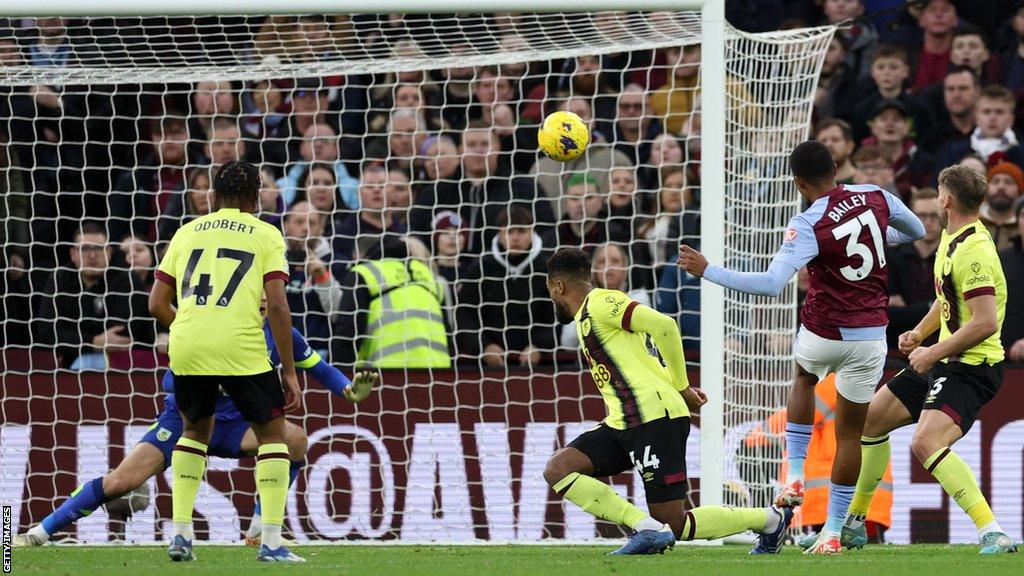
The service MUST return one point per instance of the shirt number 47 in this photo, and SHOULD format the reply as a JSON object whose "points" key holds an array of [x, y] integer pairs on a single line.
{"points": [[649, 460]]}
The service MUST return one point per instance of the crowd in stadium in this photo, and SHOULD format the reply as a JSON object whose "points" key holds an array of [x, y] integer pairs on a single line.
{"points": [[441, 167]]}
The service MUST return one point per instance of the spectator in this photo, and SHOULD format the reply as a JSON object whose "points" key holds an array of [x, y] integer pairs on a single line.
{"points": [[490, 90], [90, 308], [504, 297], [584, 80], [183, 208], [584, 224], [622, 197], [15, 300], [372, 222], [937, 21], [673, 101], [391, 311], [678, 295], [599, 158], [912, 167], [954, 120], [861, 38], [309, 105], [210, 99], [970, 49], [890, 68], [398, 198], [911, 268], [1012, 259], [611, 271], [314, 296], [404, 134], [873, 167], [225, 143], [633, 130], [449, 242], [143, 194], [974, 161], [836, 92], [483, 189], [837, 136], [1013, 58], [267, 108], [666, 154], [438, 160], [1005, 184], [271, 203], [318, 186], [457, 93], [141, 261], [319, 143], [662, 233], [993, 116]]}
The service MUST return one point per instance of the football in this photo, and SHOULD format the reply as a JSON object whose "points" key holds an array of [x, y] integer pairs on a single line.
{"points": [[563, 136]]}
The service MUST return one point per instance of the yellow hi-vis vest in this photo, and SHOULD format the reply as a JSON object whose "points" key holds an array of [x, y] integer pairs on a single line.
{"points": [[405, 324]]}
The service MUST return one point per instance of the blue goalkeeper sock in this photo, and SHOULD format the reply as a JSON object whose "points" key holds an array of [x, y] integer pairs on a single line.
{"points": [[82, 502], [294, 467], [798, 436], [839, 497]]}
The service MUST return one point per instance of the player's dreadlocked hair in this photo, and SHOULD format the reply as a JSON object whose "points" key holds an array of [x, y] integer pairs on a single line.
{"points": [[570, 264], [237, 183]]}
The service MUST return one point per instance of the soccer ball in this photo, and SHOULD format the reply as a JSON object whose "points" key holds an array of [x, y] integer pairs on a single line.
{"points": [[563, 136]]}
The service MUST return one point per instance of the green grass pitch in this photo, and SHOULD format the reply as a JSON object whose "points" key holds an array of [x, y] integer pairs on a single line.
{"points": [[379, 560]]}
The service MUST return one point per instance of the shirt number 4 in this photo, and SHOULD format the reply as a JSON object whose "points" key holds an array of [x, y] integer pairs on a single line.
{"points": [[202, 290]]}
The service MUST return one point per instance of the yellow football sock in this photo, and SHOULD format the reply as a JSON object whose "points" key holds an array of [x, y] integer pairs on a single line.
{"points": [[597, 498], [711, 522], [874, 459], [959, 482], [272, 482], [188, 466]]}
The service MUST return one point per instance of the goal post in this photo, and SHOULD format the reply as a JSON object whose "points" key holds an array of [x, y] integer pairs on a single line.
{"points": [[752, 104]]}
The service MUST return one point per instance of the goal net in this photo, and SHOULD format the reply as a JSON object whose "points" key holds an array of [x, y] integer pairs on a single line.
{"points": [[371, 130]]}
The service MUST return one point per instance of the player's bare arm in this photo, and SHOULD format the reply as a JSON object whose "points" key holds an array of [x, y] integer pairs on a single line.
{"points": [[911, 339], [161, 303], [984, 322], [280, 320]]}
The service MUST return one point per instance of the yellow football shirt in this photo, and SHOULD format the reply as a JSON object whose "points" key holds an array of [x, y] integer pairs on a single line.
{"points": [[966, 266], [626, 366], [218, 264]]}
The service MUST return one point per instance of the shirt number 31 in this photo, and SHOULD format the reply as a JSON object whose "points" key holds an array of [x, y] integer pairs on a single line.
{"points": [[202, 289]]}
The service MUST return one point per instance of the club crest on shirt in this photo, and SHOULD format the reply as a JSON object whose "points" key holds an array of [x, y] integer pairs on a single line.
{"points": [[585, 327], [163, 434]]}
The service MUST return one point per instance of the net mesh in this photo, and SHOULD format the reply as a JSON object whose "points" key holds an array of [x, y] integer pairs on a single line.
{"points": [[389, 127]]}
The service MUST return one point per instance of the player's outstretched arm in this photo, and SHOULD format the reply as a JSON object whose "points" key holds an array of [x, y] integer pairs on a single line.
{"points": [[904, 225], [665, 333], [768, 283]]}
